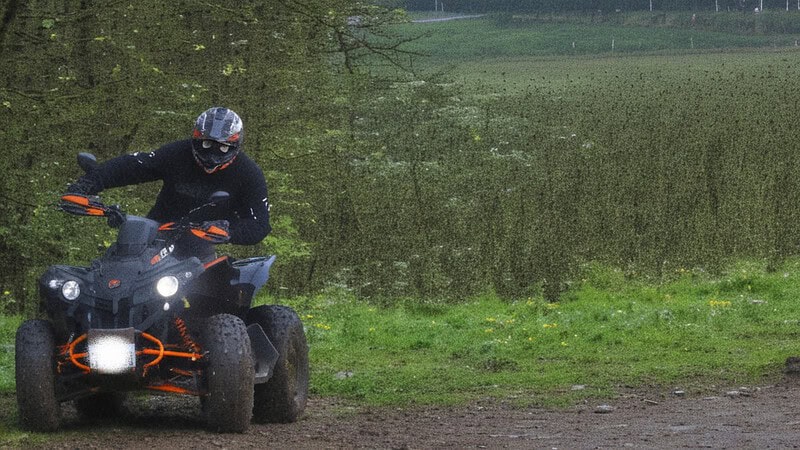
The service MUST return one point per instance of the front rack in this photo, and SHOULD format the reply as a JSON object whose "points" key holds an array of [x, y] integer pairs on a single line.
{"points": [[71, 354]]}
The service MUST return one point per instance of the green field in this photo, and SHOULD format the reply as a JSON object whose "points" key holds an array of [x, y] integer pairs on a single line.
{"points": [[690, 334], [476, 39]]}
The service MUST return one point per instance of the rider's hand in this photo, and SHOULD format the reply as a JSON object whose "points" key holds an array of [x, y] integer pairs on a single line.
{"points": [[81, 186], [215, 231]]}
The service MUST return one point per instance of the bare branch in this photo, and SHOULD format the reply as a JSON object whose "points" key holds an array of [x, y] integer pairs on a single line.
{"points": [[352, 34]]}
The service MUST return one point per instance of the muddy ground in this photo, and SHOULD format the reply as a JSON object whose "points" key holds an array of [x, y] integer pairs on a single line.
{"points": [[740, 417]]}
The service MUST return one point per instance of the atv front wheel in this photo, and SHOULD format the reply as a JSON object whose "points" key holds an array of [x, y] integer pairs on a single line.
{"points": [[282, 398], [39, 410], [229, 374]]}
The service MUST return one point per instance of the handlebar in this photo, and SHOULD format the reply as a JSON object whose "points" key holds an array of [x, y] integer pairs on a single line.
{"points": [[90, 205]]}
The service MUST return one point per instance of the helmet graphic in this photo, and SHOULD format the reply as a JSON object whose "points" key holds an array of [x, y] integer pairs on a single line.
{"points": [[217, 138]]}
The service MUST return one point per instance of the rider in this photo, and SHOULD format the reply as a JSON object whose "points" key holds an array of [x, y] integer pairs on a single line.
{"points": [[191, 170]]}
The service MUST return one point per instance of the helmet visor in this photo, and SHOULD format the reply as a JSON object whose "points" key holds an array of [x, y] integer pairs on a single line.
{"points": [[213, 153], [210, 146]]}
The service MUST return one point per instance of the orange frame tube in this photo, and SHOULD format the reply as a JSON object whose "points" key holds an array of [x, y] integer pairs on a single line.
{"points": [[75, 356], [159, 353], [171, 388]]}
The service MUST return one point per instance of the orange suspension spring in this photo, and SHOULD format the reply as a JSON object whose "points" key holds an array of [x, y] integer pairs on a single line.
{"points": [[190, 344]]}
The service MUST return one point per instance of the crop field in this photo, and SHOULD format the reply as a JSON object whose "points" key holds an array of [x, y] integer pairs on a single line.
{"points": [[488, 37], [644, 161]]}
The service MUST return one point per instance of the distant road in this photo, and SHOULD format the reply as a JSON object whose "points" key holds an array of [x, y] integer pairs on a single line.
{"points": [[442, 19]]}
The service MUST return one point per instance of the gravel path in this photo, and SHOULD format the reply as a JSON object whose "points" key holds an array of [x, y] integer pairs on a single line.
{"points": [[743, 417]]}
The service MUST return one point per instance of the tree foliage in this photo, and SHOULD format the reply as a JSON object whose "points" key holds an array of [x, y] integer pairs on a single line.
{"points": [[118, 77]]}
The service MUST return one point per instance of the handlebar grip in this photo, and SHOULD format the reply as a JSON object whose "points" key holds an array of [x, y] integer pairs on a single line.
{"points": [[82, 205]]}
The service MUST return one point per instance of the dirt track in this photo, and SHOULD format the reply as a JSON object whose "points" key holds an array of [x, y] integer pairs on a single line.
{"points": [[754, 417]]}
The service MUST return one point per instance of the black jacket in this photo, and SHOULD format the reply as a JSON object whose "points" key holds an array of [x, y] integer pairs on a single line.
{"points": [[187, 186]]}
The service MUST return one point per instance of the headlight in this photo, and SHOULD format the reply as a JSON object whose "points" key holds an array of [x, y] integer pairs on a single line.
{"points": [[71, 290], [167, 286]]}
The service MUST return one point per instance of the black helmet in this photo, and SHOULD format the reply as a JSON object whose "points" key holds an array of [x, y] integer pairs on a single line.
{"points": [[217, 138]]}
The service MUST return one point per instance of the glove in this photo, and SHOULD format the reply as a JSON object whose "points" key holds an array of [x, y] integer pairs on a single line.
{"points": [[83, 186], [214, 231]]}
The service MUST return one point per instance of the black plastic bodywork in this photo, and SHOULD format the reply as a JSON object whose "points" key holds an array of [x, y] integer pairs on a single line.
{"points": [[118, 291]]}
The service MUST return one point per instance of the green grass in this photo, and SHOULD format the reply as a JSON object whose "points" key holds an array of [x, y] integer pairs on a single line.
{"points": [[608, 332], [8, 328], [692, 332], [640, 74], [475, 39]]}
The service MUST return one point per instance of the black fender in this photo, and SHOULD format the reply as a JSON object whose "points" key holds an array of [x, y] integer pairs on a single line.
{"points": [[264, 353], [253, 273]]}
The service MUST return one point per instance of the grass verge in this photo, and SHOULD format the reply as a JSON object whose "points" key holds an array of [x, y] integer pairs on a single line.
{"points": [[690, 333]]}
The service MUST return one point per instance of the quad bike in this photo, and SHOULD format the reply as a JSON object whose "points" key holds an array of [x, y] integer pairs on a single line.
{"points": [[140, 319]]}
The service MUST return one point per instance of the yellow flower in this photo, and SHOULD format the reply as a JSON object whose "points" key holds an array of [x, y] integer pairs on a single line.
{"points": [[550, 325], [489, 330], [719, 303], [491, 319], [475, 136], [552, 305]]}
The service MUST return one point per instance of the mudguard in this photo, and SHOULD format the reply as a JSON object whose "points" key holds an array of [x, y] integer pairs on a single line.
{"points": [[264, 353], [253, 272]]}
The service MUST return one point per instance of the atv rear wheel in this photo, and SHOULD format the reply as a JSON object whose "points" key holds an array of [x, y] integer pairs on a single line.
{"points": [[228, 405], [282, 398], [39, 410]]}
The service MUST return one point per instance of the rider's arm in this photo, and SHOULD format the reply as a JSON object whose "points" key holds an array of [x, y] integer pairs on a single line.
{"points": [[250, 221], [122, 171]]}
